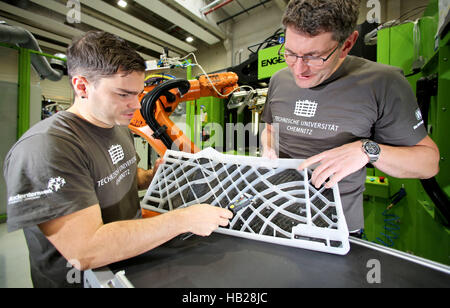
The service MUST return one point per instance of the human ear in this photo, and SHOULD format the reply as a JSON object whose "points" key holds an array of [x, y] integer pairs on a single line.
{"points": [[349, 43], [80, 85]]}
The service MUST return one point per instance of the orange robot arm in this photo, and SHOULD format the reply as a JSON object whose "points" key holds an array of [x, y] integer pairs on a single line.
{"points": [[152, 121]]}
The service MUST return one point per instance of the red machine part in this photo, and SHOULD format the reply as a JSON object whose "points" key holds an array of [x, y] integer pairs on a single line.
{"points": [[224, 83]]}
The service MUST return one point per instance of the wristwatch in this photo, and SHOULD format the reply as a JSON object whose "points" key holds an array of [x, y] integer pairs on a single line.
{"points": [[372, 149]]}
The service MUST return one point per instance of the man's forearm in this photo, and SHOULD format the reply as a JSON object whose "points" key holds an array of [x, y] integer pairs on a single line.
{"points": [[121, 240], [418, 161], [265, 140], [83, 239], [269, 146], [268, 138]]}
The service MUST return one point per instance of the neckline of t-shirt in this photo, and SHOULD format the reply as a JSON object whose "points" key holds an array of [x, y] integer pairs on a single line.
{"points": [[74, 116], [336, 75]]}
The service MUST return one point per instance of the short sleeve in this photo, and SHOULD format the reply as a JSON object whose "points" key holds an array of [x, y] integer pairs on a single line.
{"points": [[138, 158], [267, 112], [46, 177], [399, 120]]}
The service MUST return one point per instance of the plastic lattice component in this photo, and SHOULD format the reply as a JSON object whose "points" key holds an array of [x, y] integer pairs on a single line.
{"points": [[286, 208]]}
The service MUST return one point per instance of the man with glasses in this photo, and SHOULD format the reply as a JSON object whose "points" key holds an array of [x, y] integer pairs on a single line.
{"points": [[341, 112]]}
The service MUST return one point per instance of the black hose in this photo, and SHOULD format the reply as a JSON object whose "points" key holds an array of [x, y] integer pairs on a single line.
{"points": [[24, 38], [426, 88], [270, 41], [439, 198], [148, 106]]}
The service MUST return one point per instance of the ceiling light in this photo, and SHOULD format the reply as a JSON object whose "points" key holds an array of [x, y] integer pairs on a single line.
{"points": [[189, 39], [122, 3]]}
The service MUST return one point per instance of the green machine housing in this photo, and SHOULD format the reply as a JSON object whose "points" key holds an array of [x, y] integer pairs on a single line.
{"points": [[205, 122], [415, 225], [269, 62]]}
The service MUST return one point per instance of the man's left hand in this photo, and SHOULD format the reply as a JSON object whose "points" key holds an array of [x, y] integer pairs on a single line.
{"points": [[158, 162], [336, 164], [145, 177]]}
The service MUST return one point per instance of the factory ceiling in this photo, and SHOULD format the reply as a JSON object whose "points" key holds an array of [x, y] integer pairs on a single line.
{"points": [[148, 25]]}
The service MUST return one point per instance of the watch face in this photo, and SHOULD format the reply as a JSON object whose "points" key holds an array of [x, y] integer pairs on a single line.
{"points": [[372, 148]]}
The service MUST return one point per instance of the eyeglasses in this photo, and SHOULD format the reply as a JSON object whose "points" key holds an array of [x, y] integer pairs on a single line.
{"points": [[291, 58]]}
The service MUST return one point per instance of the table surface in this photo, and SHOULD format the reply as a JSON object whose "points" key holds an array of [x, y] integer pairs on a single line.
{"points": [[223, 261]]}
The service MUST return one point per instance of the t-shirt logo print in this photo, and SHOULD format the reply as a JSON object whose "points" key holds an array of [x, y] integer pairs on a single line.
{"points": [[305, 108], [418, 114], [55, 184], [116, 153]]}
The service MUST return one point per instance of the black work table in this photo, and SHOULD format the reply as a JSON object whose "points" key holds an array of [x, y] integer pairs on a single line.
{"points": [[222, 261]]}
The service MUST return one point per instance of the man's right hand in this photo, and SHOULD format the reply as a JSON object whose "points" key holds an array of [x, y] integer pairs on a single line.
{"points": [[268, 141], [269, 153], [203, 219]]}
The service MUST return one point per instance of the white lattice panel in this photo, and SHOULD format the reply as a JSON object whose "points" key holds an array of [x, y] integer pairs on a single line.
{"points": [[287, 209]]}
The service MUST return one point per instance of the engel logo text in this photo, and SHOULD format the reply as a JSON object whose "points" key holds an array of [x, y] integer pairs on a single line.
{"points": [[273, 61]]}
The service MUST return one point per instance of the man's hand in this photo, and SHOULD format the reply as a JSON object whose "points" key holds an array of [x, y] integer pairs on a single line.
{"points": [[145, 177], [203, 219], [336, 164], [158, 162], [269, 153]]}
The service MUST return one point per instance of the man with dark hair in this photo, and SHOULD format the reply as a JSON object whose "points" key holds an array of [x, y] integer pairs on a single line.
{"points": [[340, 112], [72, 179]]}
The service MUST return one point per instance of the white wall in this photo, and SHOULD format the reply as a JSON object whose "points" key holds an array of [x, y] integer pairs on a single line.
{"points": [[212, 58], [244, 32], [254, 29]]}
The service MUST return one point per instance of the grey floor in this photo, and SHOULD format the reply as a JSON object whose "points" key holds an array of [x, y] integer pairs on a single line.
{"points": [[14, 266]]}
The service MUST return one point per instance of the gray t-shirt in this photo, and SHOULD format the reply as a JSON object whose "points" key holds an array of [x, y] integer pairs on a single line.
{"points": [[62, 165], [362, 99]]}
